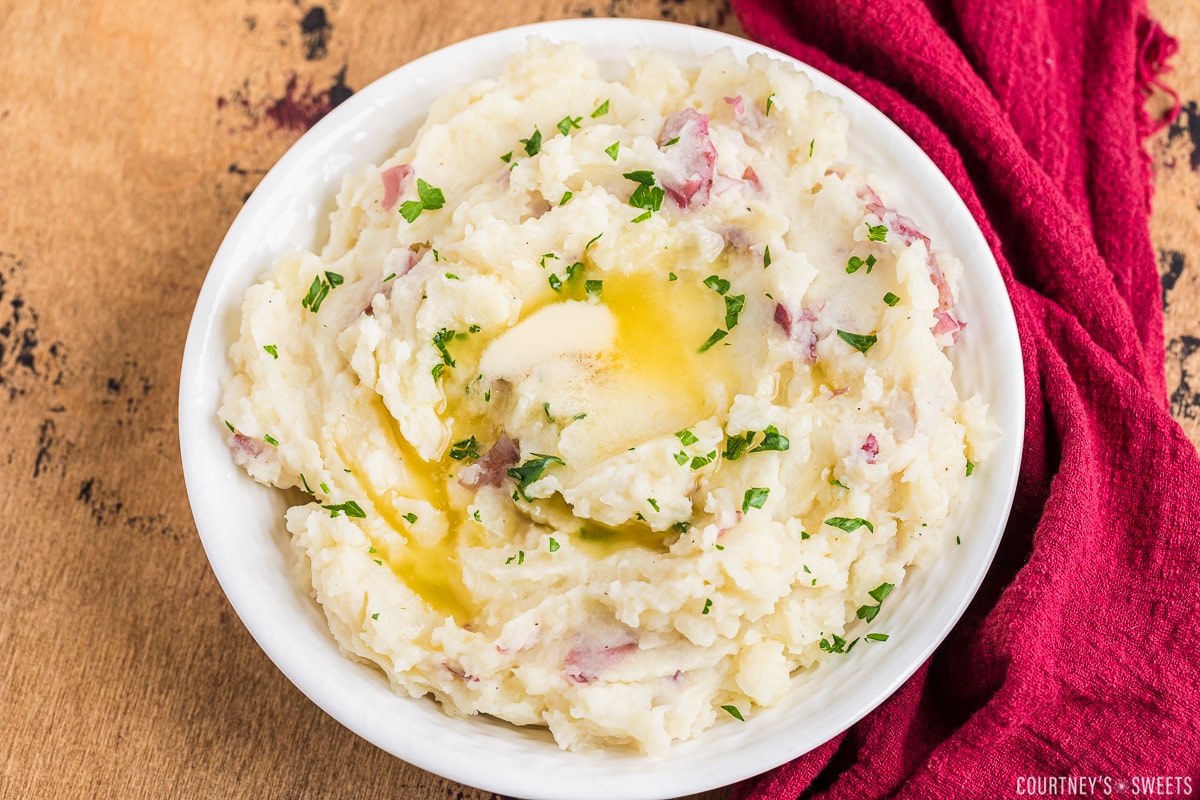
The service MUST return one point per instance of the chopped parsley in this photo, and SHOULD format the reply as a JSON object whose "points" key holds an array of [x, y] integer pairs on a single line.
{"points": [[733, 712], [319, 290], [304, 481], [507, 157], [855, 264], [869, 612], [670, 142], [567, 195], [542, 262], [849, 524], [717, 284], [862, 342], [466, 449], [601, 110], [837, 645], [770, 104], [574, 269], [811, 145], [229, 425], [391, 276], [876, 637], [643, 176], [738, 445], [566, 123], [430, 198], [533, 145], [613, 149], [970, 468], [837, 483], [271, 350], [546, 408], [876, 233], [592, 241], [686, 437], [440, 340], [475, 515], [271, 440], [653, 503], [375, 615], [593, 288], [671, 276], [450, 276], [349, 508], [755, 497], [555, 282], [891, 299], [410, 518], [553, 545], [707, 605], [734, 303], [681, 458], [519, 558], [531, 470], [704, 461], [713, 338], [766, 256], [324, 487]]}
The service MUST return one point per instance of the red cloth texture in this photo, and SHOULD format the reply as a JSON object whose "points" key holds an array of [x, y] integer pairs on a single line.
{"points": [[1080, 656]]}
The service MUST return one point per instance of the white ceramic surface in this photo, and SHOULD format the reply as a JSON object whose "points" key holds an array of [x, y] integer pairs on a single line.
{"points": [[241, 523]]}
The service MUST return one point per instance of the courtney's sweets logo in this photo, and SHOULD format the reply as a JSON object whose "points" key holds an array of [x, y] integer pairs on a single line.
{"points": [[1104, 786]]}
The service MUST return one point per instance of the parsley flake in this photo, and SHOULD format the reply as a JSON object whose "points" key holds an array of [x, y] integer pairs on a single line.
{"points": [[613, 149], [686, 437], [271, 440], [531, 470], [849, 524], [770, 104], [349, 508], [553, 545], [862, 342], [653, 503], [271, 350], [970, 468], [466, 449], [601, 110], [533, 145], [733, 712], [707, 605], [876, 233], [567, 195], [766, 256], [717, 284], [891, 299], [375, 615], [713, 338], [593, 288], [755, 497], [566, 123], [876, 637]]}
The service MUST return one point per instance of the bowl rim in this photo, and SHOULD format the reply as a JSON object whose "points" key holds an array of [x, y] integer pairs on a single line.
{"points": [[504, 759]]}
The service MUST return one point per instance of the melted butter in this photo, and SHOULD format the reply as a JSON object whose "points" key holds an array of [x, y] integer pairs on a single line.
{"points": [[433, 572], [600, 541], [656, 381]]}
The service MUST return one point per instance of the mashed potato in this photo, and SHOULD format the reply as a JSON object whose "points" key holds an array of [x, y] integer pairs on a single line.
{"points": [[615, 403]]}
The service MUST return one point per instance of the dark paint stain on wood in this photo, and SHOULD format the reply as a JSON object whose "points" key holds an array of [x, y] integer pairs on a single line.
{"points": [[299, 107], [24, 358], [1188, 125], [1185, 399], [1171, 264], [315, 31]]}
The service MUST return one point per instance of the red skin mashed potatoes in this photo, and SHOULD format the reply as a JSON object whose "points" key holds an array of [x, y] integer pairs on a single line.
{"points": [[615, 403]]}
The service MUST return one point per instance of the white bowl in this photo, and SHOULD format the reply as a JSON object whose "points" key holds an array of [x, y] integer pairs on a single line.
{"points": [[241, 522]]}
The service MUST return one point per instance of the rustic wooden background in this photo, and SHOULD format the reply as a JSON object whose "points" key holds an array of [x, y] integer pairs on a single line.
{"points": [[130, 135]]}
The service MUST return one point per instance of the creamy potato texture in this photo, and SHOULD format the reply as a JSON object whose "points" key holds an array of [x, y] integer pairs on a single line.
{"points": [[613, 403]]}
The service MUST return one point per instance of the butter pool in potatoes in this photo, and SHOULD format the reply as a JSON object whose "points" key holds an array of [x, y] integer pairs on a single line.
{"points": [[612, 403]]}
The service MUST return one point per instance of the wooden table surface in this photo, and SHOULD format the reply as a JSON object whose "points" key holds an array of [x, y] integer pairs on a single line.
{"points": [[129, 137]]}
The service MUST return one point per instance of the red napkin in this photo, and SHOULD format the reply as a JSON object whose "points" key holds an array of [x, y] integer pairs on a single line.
{"points": [[1079, 657]]}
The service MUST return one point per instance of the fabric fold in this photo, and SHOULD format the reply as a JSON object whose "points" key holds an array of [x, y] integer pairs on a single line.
{"points": [[1078, 656]]}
